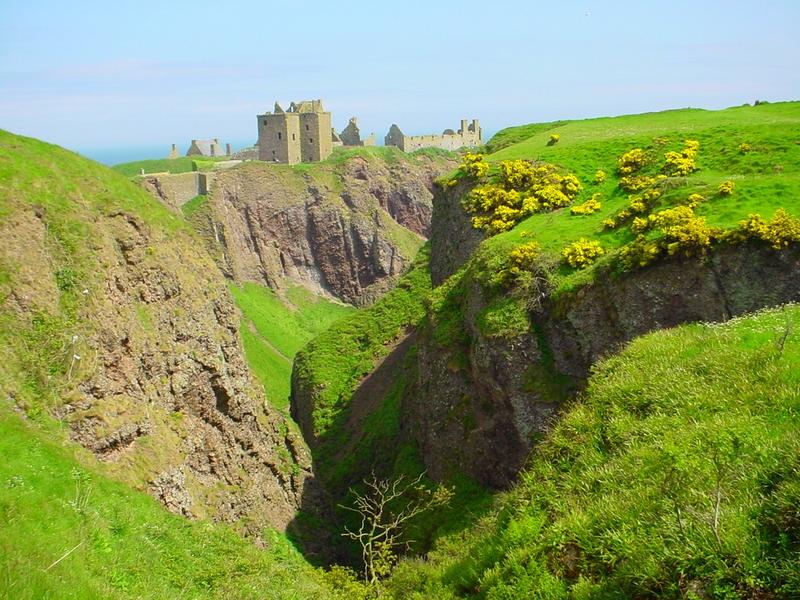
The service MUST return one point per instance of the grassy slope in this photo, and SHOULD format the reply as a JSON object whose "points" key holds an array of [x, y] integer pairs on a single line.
{"points": [[766, 178], [619, 499], [53, 496], [274, 329], [125, 544]]}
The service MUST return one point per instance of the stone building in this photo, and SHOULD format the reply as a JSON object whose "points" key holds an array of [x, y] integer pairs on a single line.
{"points": [[206, 148], [468, 136], [301, 133], [351, 135]]}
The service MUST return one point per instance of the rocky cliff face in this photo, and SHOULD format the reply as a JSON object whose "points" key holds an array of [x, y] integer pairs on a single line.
{"points": [[346, 230], [480, 407], [122, 327]]}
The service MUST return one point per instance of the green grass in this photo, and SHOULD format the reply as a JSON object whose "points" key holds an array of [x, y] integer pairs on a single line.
{"points": [[274, 329], [335, 361], [68, 532], [767, 178], [619, 500], [182, 164]]}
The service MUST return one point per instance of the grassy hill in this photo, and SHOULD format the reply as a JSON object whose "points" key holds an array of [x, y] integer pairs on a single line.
{"points": [[766, 175], [677, 474]]}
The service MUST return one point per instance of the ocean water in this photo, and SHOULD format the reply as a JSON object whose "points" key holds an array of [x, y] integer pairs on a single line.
{"points": [[121, 154]]}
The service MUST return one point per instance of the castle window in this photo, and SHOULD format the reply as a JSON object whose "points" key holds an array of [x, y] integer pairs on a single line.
{"points": [[311, 140], [293, 137], [279, 135], [306, 127]]}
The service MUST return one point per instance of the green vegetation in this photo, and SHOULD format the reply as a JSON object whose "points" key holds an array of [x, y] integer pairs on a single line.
{"points": [[336, 361], [641, 166], [182, 164], [68, 532], [275, 328], [676, 473]]}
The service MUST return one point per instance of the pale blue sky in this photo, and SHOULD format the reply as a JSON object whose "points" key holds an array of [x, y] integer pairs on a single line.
{"points": [[91, 75]]}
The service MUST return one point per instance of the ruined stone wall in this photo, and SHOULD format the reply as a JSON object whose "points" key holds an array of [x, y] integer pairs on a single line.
{"points": [[468, 136], [278, 137], [177, 189]]}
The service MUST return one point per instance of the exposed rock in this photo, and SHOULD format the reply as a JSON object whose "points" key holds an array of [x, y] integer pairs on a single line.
{"points": [[140, 353], [346, 230], [479, 409], [453, 238]]}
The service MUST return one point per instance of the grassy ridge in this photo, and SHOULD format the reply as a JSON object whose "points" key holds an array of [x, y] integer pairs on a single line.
{"points": [[182, 164], [274, 330], [767, 177], [678, 471]]}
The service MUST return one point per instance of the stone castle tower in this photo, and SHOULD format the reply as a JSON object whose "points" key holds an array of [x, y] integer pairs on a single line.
{"points": [[302, 133]]}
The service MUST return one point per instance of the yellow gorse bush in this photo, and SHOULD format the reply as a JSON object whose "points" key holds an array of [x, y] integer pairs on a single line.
{"points": [[683, 162], [726, 188], [599, 177], [554, 137], [592, 205], [524, 188], [631, 161], [582, 253], [781, 231], [474, 165]]}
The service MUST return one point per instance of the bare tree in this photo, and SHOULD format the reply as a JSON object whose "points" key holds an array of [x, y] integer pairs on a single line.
{"points": [[384, 508]]}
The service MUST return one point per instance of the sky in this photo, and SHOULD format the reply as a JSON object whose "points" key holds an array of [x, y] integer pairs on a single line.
{"points": [[120, 78]]}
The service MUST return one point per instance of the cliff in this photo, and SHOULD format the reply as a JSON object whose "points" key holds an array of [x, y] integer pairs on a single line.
{"points": [[345, 228], [118, 324]]}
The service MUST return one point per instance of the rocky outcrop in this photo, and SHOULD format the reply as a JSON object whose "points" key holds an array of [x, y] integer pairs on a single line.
{"points": [[479, 409], [117, 322], [453, 238], [345, 230]]}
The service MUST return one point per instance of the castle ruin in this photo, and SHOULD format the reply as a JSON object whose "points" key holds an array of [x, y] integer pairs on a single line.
{"points": [[468, 136], [351, 135], [300, 134]]}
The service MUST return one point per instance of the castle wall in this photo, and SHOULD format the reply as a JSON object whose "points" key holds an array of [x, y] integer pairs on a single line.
{"points": [[316, 142], [177, 189], [468, 136], [278, 138]]}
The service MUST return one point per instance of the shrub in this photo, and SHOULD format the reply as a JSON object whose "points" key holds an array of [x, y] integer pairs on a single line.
{"points": [[599, 177], [582, 253], [592, 205], [554, 137], [781, 231], [639, 253], [726, 188], [683, 162], [524, 188], [631, 161], [474, 165], [744, 148], [694, 200]]}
